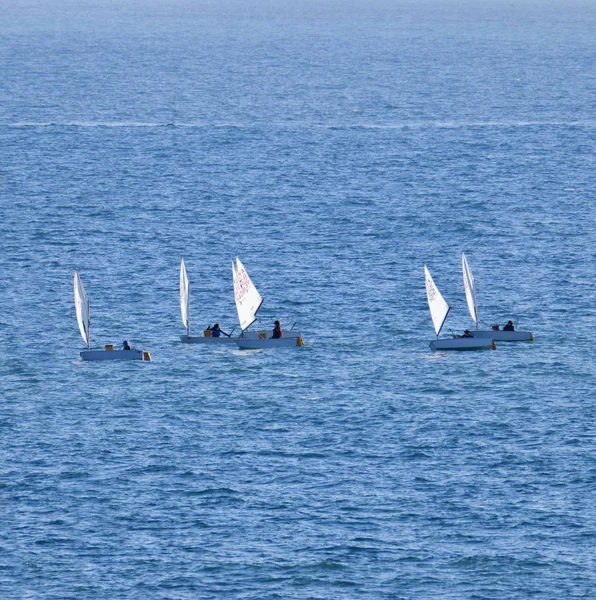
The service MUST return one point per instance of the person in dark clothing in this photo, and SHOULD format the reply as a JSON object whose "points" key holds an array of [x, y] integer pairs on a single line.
{"points": [[125, 345], [216, 331], [467, 334], [509, 326], [277, 332]]}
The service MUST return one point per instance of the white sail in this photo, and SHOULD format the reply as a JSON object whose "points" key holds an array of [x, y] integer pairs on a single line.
{"points": [[470, 289], [248, 300], [184, 297], [438, 307], [82, 308]]}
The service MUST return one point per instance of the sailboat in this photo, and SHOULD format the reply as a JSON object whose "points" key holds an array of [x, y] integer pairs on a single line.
{"points": [[206, 338], [495, 334], [83, 310], [248, 302], [439, 309]]}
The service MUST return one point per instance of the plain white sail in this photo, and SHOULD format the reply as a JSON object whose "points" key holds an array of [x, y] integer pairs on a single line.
{"points": [[184, 297], [470, 289], [82, 308], [438, 307], [248, 300]]}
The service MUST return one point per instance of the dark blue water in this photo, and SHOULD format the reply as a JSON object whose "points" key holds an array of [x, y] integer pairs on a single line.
{"points": [[335, 150]]}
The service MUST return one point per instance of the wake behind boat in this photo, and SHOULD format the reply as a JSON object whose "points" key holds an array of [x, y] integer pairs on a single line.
{"points": [[208, 336], [439, 309], [83, 310], [248, 301], [501, 335]]}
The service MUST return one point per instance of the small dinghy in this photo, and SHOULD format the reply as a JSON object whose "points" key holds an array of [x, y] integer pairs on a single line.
{"points": [[504, 336], [248, 301], [207, 337], [439, 309], [83, 310], [498, 335]]}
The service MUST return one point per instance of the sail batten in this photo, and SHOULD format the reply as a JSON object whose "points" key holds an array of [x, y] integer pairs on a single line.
{"points": [[248, 300], [184, 297], [470, 289], [82, 308], [438, 307]]}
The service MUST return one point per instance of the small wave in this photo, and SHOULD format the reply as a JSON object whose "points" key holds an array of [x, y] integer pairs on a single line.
{"points": [[123, 124], [330, 565], [590, 124], [223, 491], [95, 124], [459, 124]]}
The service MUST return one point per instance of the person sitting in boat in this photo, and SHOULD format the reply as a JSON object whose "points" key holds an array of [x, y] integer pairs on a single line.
{"points": [[467, 334], [216, 331], [125, 345], [495, 328], [277, 332], [509, 326]]}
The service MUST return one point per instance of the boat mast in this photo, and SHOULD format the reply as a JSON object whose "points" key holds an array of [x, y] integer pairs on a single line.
{"points": [[88, 325]]}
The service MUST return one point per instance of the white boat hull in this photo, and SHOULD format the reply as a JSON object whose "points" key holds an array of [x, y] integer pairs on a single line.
{"points": [[94, 355], [248, 335], [258, 343], [463, 344], [207, 340], [259, 333], [504, 336]]}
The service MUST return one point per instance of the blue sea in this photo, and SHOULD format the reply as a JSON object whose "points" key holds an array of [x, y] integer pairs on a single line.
{"points": [[335, 148]]}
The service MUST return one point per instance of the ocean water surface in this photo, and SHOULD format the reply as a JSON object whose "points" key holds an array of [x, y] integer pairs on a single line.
{"points": [[336, 150]]}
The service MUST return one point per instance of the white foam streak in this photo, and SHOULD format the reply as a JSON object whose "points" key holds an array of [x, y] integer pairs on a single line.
{"points": [[590, 124]]}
